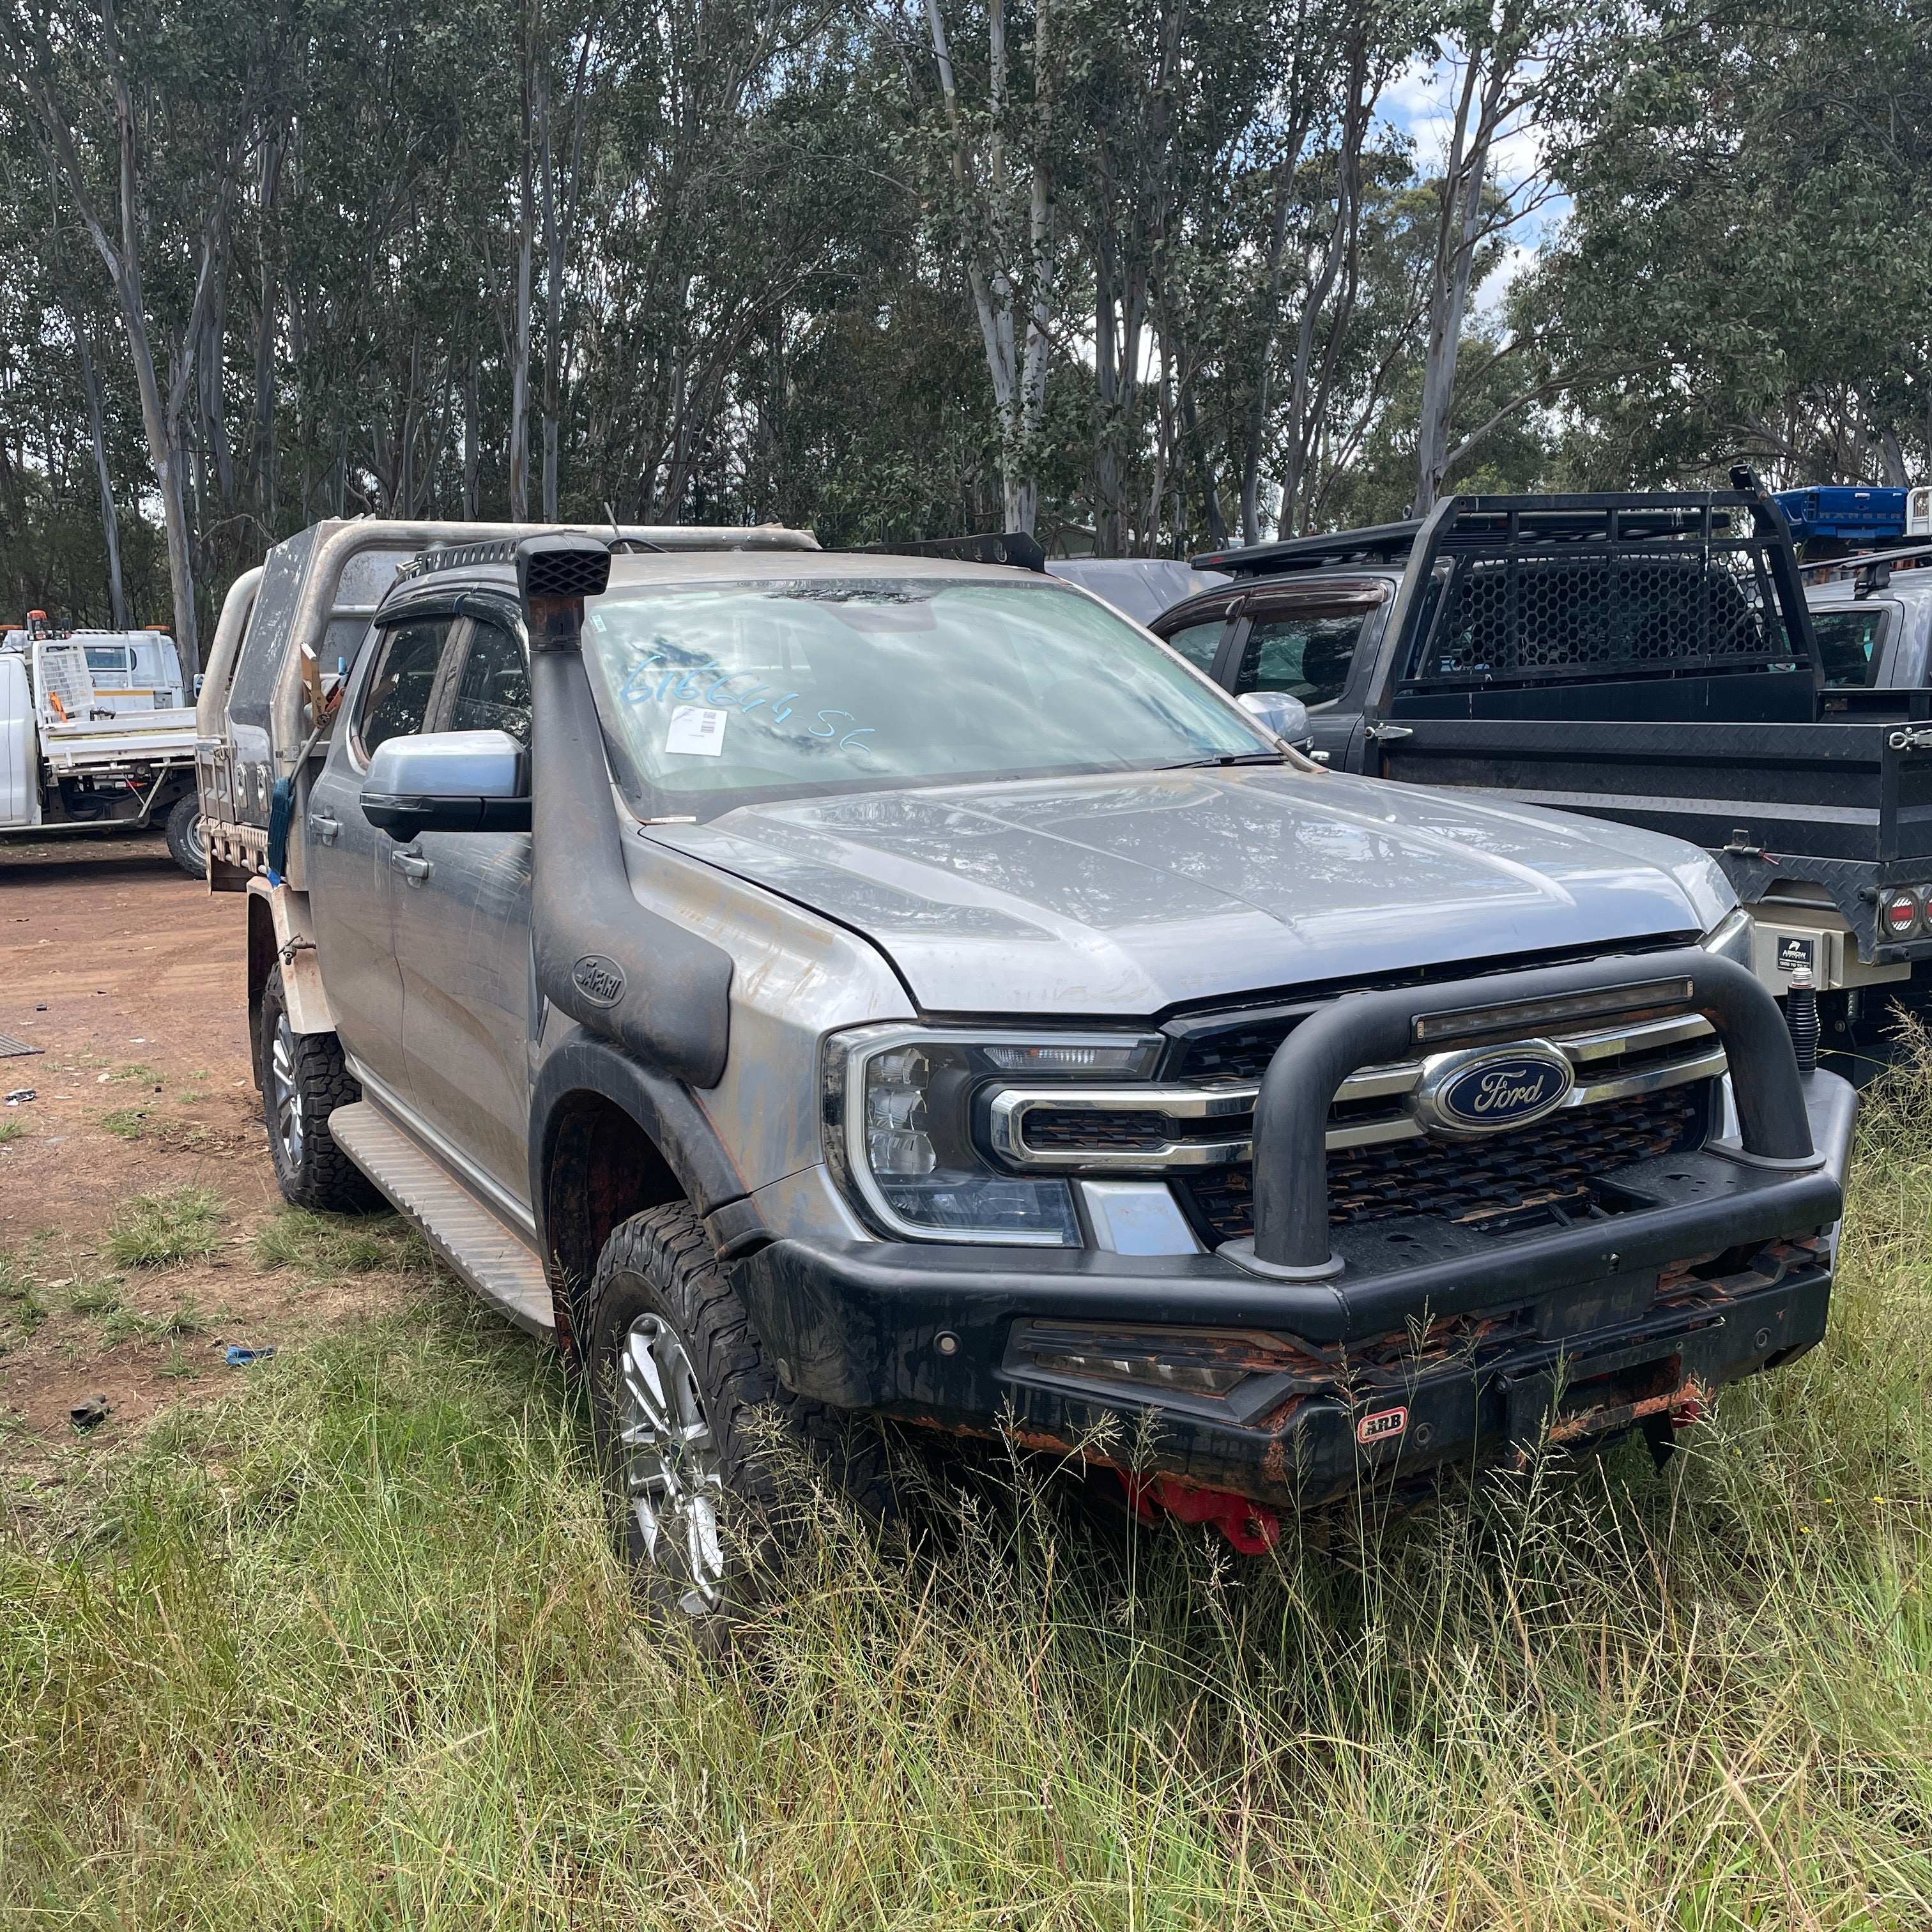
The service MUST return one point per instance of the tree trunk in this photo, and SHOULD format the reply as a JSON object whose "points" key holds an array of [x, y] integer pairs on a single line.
{"points": [[1893, 458], [519, 351], [999, 283], [552, 234], [262, 463], [1485, 96], [471, 431], [109, 530], [1341, 250]]}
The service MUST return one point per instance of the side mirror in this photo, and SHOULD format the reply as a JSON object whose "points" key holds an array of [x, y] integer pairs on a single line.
{"points": [[448, 782], [1275, 711]]}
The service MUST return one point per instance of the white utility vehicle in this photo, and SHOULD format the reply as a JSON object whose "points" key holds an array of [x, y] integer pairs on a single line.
{"points": [[98, 730]]}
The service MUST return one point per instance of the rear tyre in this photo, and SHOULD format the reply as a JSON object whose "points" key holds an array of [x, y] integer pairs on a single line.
{"points": [[693, 1427], [186, 845], [304, 1080]]}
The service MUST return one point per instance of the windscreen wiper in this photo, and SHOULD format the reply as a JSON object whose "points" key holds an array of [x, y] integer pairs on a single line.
{"points": [[1228, 758]]}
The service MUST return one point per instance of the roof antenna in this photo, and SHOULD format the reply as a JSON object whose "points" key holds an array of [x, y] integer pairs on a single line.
{"points": [[620, 541]]}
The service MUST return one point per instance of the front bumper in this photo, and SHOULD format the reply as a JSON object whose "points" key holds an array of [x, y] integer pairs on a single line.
{"points": [[1715, 1271]]}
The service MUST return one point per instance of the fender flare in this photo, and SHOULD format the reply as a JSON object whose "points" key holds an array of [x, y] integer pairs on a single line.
{"points": [[279, 930], [671, 1119]]}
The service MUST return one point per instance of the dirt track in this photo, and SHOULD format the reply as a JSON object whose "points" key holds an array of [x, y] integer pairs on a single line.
{"points": [[130, 977]]}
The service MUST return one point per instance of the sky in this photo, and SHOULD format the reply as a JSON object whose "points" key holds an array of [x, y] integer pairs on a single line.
{"points": [[1420, 103]]}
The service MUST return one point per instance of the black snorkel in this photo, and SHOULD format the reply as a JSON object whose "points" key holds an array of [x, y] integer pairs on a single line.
{"points": [[637, 978]]}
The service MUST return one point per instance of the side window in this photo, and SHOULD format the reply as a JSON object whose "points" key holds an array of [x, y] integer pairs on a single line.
{"points": [[1847, 640], [1306, 653], [494, 694], [1198, 643], [397, 699]]}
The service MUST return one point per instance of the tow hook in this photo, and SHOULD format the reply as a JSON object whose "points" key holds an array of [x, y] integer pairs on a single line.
{"points": [[1252, 1528]]}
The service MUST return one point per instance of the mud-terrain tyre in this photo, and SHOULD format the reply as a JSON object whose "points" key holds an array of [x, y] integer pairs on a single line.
{"points": [[673, 1366], [304, 1080], [186, 846]]}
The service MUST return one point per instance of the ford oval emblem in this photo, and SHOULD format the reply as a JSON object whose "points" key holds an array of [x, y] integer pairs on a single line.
{"points": [[600, 980], [1490, 1089]]}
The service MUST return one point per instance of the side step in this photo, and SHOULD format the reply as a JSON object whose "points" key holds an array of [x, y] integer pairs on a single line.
{"points": [[493, 1259]]}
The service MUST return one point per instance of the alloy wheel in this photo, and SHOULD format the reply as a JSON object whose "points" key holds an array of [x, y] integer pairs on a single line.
{"points": [[285, 1093], [673, 1475]]}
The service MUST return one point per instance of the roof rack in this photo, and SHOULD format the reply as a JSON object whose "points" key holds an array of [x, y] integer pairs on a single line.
{"points": [[458, 556], [1380, 542], [1013, 547], [1576, 518], [1856, 560]]}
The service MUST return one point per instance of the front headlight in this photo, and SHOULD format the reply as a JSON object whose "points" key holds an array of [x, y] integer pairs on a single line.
{"points": [[900, 1131], [1731, 937]]}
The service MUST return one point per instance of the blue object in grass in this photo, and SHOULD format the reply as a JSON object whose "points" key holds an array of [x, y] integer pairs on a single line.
{"points": [[239, 1357]]}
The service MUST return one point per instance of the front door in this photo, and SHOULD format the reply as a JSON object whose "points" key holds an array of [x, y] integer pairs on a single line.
{"points": [[351, 873], [1307, 648], [463, 940]]}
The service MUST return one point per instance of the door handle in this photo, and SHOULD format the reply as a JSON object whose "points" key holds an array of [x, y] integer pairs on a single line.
{"points": [[327, 829], [413, 866]]}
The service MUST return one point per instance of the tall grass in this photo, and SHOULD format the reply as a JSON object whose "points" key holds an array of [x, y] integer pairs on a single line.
{"points": [[350, 1648]]}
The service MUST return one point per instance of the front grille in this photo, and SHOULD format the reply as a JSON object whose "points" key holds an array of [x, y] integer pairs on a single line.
{"points": [[1240, 1052], [1555, 1169], [1131, 1130]]}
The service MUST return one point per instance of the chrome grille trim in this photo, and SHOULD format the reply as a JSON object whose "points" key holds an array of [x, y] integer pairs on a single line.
{"points": [[1702, 1059]]}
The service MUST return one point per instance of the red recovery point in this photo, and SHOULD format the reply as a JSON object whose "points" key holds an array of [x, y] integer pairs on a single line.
{"points": [[1252, 1528]]}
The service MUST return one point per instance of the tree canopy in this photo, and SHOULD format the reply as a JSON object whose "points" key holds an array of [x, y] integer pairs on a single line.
{"points": [[1144, 276]]}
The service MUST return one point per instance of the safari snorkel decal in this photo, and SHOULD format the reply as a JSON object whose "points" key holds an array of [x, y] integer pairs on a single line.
{"points": [[600, 980]]}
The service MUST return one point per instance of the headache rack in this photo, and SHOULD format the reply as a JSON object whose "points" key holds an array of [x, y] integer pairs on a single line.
{"points": [[1519, 594], [1534, 590]]}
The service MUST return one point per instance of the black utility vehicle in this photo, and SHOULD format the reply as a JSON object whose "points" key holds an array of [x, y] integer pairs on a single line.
{"points": [[1645, 658]]}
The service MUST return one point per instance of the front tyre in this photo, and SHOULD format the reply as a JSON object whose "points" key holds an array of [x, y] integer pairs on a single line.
{"points": [[304, 1080], [679, 1383], [187, 846]]}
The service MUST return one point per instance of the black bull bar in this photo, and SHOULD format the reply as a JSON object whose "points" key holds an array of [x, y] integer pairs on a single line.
{"points": [[1292, 1240]]}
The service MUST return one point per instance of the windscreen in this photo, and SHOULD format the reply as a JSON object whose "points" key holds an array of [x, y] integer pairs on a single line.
{"points": [[810, 684]]}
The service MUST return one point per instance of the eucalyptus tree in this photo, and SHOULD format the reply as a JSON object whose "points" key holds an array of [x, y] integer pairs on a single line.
{"points": [[1748, 267], [153, 117]]}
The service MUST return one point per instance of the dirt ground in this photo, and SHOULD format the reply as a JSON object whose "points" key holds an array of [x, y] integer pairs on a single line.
{"points": [[129, 977]]}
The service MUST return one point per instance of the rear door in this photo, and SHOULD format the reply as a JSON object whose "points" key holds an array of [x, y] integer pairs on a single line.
{"points": [[462, 938], [353, 867]]}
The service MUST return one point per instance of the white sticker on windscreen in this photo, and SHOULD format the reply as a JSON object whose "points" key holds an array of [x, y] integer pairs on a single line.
{"points": [[696, 730]]}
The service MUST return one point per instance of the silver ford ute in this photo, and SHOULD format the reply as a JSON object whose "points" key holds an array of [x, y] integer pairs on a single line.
{"points": [[839, 987]]}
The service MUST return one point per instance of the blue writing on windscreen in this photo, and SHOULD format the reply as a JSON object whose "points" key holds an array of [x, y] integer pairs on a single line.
{"points": [[656, 680]]}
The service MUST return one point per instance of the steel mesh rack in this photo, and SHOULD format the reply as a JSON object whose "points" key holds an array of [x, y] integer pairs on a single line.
{"points": [[1526, 590]]}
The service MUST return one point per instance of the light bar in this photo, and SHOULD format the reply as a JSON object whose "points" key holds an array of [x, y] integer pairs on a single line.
{"points": [[1525, 1016]]}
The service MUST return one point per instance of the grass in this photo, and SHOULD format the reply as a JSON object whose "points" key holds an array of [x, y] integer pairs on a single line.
{"points": [[22, 1310], [99, 1296], [349, 1648], [129, 1122], [11, 1129], [162, 1230], [326, 1247]]}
